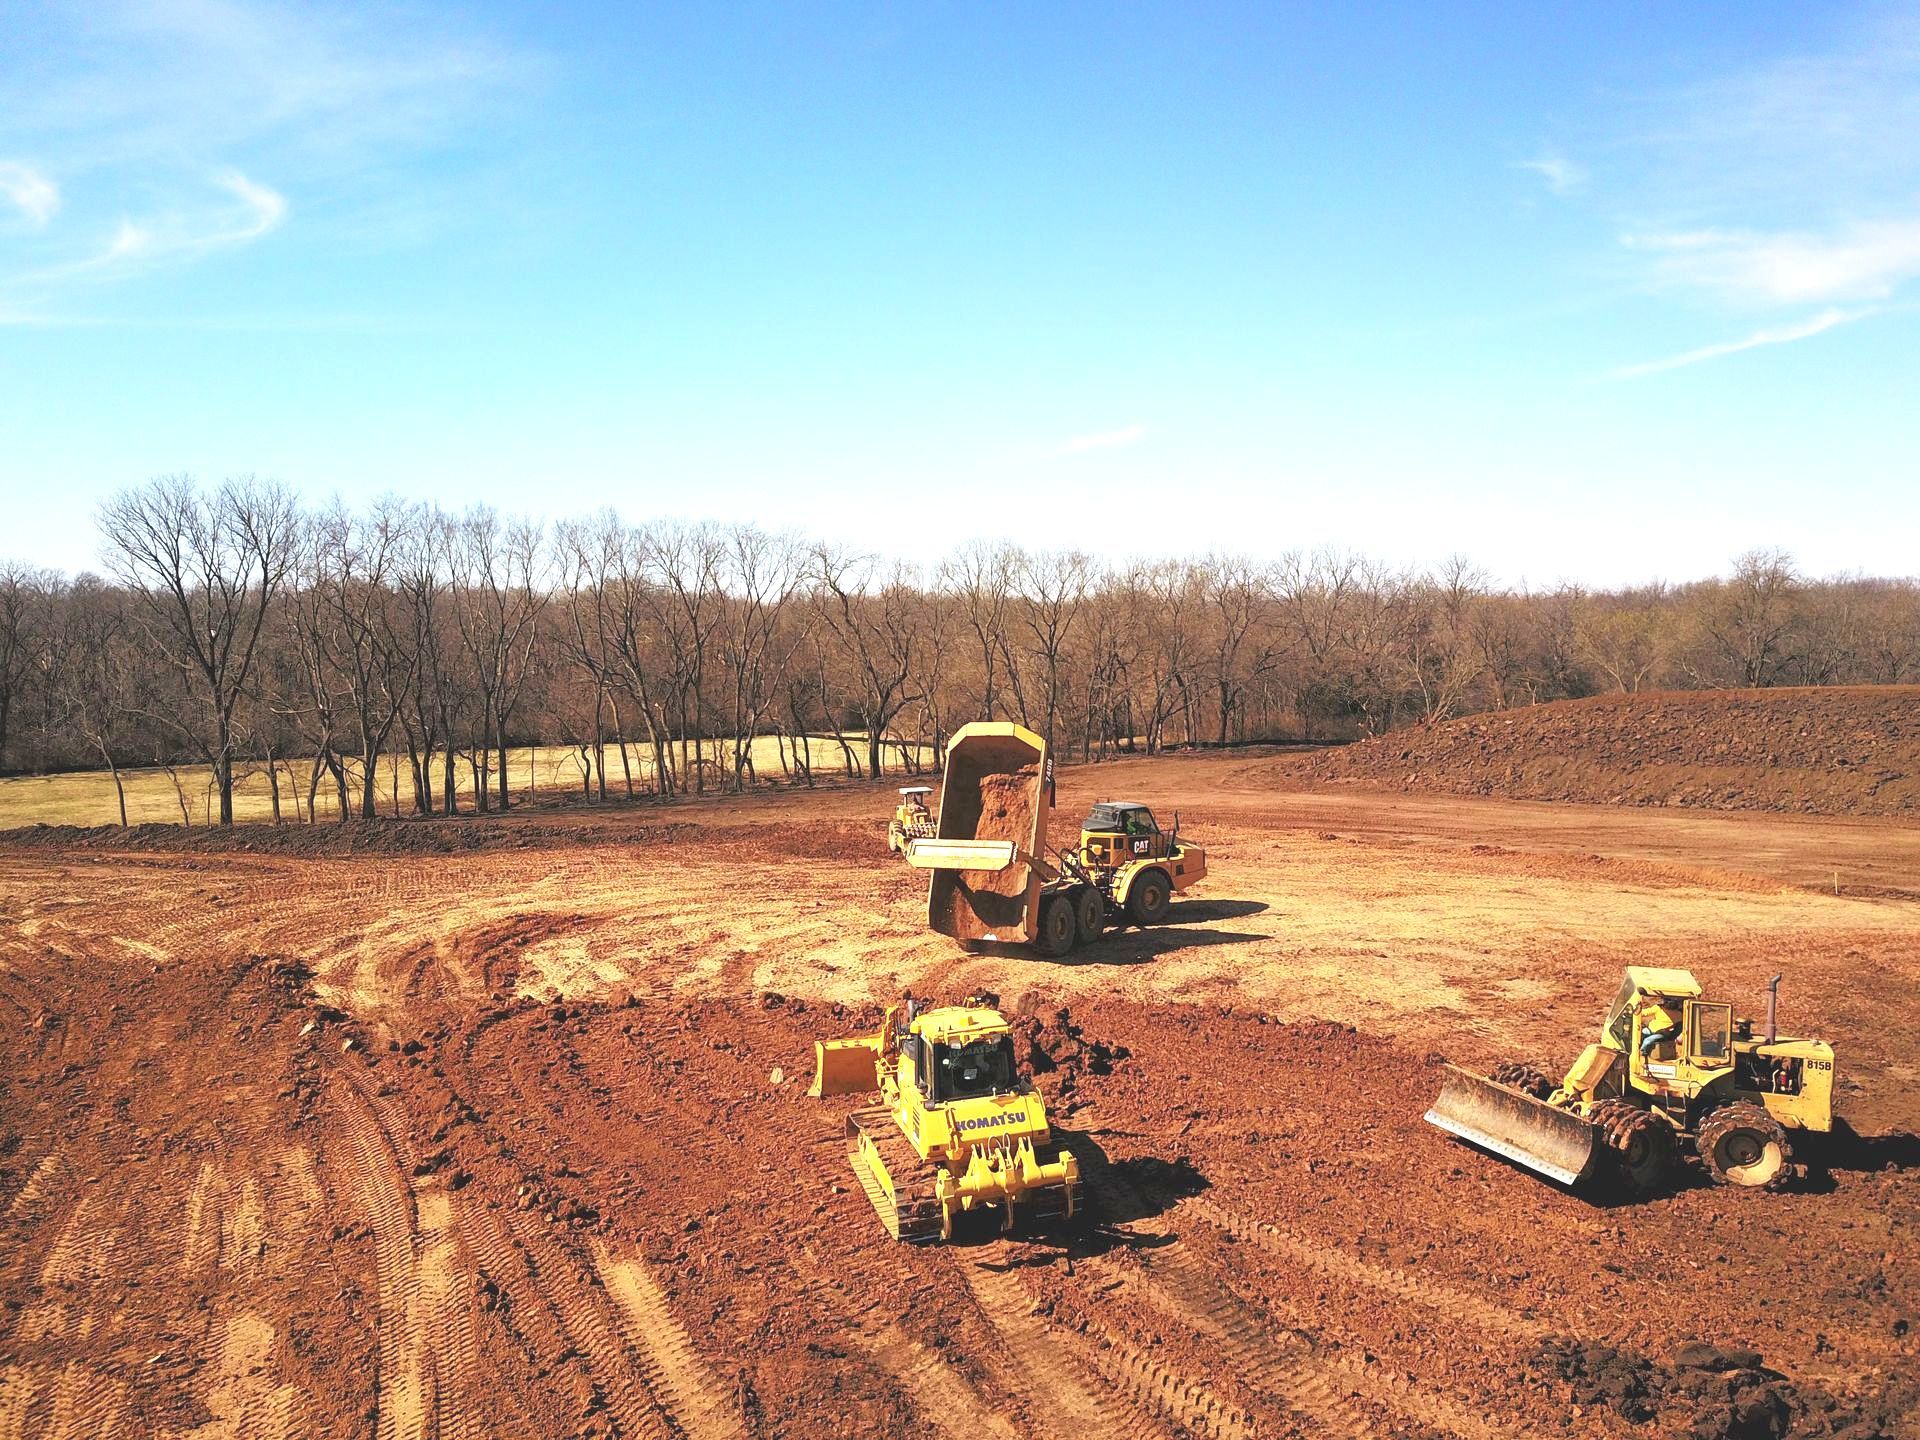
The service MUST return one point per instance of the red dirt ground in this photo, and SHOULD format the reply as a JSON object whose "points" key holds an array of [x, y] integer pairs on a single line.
{"points": [[1829, 751], [413, 1134]]}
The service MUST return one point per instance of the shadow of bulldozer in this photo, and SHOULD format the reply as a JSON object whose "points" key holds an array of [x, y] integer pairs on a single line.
{"points": [[1114, 1194]]}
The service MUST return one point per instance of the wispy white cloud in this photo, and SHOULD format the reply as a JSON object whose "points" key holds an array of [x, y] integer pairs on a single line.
{"points": [[28, 191], [1563, 176], [1863, 261], [1784, 335], [158, 115], [1105, 440], [1786, 193], [251, 211]]}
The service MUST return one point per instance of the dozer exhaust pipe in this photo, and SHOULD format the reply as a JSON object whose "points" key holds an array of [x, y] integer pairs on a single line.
{"points": [[1773, 1009], [1544, 1138]]}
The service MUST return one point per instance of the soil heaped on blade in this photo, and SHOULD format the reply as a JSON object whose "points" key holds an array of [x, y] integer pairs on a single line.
{"points": [[500, 1140]]}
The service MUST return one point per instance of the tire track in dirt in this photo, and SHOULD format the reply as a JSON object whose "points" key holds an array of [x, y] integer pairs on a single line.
{"points": [[245, 1402], [1333, 1392], [672, 1368], [1347, 1269], [586, 1316], [1055, 1390], [1336, 1394], [405, 1383], [941, 1396]]}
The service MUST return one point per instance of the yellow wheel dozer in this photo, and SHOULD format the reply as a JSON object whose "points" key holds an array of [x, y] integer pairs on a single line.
{"points": [[958, 1129], [1669, 1067]]}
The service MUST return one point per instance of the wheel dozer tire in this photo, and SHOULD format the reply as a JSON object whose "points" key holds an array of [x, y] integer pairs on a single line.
{"points": [[1741, 1144], [1640, 1144], [1528, 1079], [1057, 926], [1089, 914], [1149, 897]]}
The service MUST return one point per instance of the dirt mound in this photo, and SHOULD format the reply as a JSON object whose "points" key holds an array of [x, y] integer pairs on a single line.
{"points": [[1819, 751], [1705, 1392]]}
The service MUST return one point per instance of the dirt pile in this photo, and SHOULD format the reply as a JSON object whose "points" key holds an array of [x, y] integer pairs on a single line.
{"points": [[1818, 751], [1706, 1392], [1057, 1052]]}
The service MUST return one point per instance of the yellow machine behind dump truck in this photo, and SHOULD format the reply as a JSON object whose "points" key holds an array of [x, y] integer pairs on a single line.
{"points": [[958, 1129], [991, 880], [1668, 1066], [911, 819]]}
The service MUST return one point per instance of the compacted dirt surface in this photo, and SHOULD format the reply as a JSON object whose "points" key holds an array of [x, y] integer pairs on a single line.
{"points": [[500, 1129], [1833, 750]]}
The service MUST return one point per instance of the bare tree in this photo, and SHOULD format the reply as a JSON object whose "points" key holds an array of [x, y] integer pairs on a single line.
{"points": [[497, 598], [204, 571]]}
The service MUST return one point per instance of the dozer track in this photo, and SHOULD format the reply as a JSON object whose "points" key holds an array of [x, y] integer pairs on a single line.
{"points": [[898, 1182]]}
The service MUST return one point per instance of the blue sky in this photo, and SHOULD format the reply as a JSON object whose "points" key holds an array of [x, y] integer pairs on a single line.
{"points": [[1598, 296]]}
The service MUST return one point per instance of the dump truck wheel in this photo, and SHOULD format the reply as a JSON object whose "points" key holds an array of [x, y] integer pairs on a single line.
{"points": [[1089, 914], [1742, 1145], [1057, 926], [1640, 1143], [1528, 1079], [1149, 898]]}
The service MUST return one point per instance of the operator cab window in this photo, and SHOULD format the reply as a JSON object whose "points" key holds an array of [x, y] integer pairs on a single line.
{"points": [[978, 1067], [1140, 822], [1712, 1033]]}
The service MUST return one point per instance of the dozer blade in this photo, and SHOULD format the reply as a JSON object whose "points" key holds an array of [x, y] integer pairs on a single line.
{"points": [[984, 855], [1550, 1141], [845, 1067]]}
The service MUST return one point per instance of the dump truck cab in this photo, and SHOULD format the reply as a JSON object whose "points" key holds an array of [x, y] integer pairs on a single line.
{"points": [[1123, 847], [1116, 831]]}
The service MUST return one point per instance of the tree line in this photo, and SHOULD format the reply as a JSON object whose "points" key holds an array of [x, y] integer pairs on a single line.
{"points": [[237, 628]]}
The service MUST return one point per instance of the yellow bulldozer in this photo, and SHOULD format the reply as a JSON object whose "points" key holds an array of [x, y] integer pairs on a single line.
{"points": [[991, 877], [958, 1129], [1669, 1067], [912, 820]]}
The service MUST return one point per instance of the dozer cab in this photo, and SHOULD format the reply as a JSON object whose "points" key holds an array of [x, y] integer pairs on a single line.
{"points": [[912, 820], [991, 879], [958, 1128], [1669, 1068]]}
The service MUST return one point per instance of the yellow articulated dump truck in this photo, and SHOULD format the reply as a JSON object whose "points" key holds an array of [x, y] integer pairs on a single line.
{"points": [[991, 880], [958, 1129]]}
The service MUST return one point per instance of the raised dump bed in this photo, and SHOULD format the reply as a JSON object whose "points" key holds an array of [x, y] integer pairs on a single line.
{"points": [[995, 802]]}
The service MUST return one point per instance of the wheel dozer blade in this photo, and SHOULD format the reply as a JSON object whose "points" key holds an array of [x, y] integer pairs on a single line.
{"points": [[1550, 1141], [845, 1067]]}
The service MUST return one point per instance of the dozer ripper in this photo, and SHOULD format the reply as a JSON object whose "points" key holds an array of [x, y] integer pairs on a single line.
{"points": [[1669, 1067], [912, 820], [991, 879], [958, 1128]]}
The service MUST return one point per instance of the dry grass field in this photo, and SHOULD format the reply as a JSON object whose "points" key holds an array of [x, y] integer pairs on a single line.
{"points": [[507, 1134], [154, 796]]}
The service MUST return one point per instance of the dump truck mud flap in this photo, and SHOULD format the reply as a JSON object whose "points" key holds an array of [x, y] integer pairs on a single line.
{"points": [[1544, 1138], [845, 1067]]}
